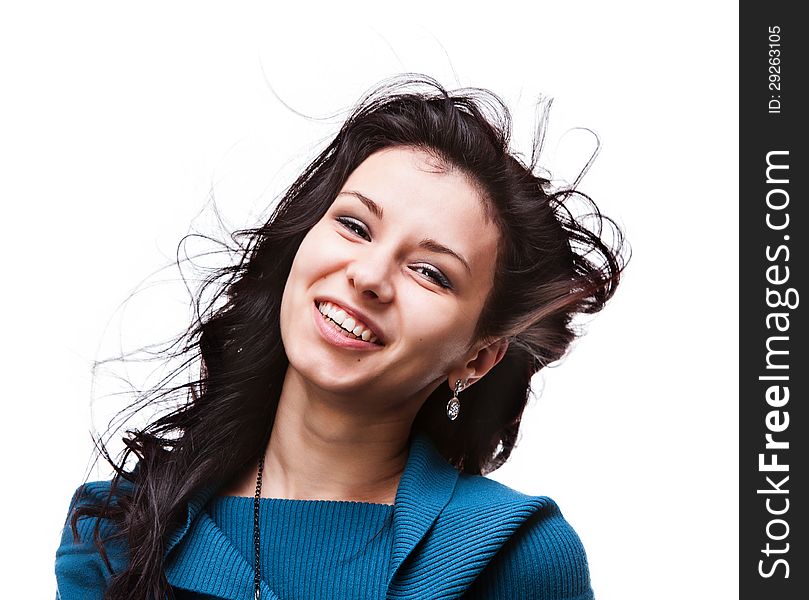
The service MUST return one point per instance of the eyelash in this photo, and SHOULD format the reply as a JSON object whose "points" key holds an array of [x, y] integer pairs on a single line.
{"points": [[434, 274]]}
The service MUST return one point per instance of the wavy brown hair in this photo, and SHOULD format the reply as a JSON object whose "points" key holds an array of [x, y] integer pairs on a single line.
{"points": [[551, 265]]}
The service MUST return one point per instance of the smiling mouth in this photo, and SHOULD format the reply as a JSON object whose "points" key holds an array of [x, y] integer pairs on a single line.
{"points": [[372, 339]]}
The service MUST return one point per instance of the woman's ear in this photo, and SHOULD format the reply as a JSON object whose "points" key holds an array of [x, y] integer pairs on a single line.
{"points": [[483, 361]]}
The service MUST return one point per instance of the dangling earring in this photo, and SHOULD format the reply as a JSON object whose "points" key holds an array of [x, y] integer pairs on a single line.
{"points": [[454, 405]]}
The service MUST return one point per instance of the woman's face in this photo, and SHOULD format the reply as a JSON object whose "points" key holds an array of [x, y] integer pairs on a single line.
{"points": [[421, 299]]}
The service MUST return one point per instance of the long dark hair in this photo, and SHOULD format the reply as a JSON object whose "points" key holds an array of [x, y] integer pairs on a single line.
{"points": [[549, 267]]}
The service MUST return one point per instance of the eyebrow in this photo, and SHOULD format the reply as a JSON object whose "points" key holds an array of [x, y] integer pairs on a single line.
{"points": [[426, 243]]}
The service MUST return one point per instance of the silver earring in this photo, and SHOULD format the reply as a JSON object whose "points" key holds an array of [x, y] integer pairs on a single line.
{"points": [[454, 405]]}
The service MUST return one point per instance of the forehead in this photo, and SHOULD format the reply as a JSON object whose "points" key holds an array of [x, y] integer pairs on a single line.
{"points": [[411, 178], [421, 196]]}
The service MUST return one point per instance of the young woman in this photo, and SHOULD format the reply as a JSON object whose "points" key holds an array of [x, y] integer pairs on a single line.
{"points": [[369, 366]]}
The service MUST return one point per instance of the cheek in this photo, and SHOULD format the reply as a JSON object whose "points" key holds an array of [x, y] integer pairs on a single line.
{"points": [[315, 254], [298, 277], [313, 261], [438, 338]]}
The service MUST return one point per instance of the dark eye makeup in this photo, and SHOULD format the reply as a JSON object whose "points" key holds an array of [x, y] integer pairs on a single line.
{"points": [[356, 226]]}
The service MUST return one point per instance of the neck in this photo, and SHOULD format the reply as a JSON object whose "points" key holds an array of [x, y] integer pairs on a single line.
{"points": [[324, 447], [301, 465]]}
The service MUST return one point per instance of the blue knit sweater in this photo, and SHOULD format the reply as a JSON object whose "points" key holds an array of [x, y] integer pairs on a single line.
{"points": [[448, 535], [350, 542]]}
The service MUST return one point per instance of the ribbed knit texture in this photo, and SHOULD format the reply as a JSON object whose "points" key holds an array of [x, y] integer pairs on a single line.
{"points": [[452, 536], [313, 549]]}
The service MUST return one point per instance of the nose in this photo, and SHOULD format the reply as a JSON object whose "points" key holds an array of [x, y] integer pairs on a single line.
{"points": [[370, 276]]}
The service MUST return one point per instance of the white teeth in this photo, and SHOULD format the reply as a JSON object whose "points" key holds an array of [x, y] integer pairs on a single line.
{"points": [[345, 322]]}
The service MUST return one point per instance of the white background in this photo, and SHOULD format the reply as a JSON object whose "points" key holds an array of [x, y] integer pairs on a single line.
{"points": [[117, 121]]}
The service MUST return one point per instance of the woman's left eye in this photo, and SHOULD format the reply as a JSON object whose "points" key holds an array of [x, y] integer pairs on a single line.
{"points": [[435, 275]]}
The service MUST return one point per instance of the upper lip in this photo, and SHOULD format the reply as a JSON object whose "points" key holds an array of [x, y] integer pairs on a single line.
{"points": [[358, 315]]}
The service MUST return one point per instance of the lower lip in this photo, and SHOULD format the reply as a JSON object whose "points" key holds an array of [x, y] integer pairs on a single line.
{"points": [[328, 331]]}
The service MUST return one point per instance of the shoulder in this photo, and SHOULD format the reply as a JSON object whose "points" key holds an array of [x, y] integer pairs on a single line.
{"points": [[95, 494], [543, 557], [81, 570]]}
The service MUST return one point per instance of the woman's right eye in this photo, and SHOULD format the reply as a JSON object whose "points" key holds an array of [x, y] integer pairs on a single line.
{"points": [[353, 225]]}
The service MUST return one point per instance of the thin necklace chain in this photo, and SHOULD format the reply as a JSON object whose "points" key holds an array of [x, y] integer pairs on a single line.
{"points": [[257, 531]]}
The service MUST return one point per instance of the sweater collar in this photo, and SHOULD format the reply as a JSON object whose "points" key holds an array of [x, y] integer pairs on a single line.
{"points": [[200, 557], [424, 490]]}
